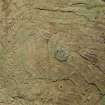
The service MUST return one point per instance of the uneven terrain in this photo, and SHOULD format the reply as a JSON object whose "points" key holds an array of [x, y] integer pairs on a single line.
{"points": [[52, 52]]}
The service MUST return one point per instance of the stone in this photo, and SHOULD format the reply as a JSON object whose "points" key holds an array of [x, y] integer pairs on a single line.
{"points": [[61, 54]]}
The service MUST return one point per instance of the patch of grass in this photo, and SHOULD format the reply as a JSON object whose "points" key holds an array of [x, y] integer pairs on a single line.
{"points": [[103, 100]]}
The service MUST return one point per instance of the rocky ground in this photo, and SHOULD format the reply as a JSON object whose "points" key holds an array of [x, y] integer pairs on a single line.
{"points": [[52, 52]]}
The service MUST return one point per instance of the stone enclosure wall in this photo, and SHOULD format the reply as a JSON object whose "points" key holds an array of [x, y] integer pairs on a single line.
{"points": [[52, 52]]}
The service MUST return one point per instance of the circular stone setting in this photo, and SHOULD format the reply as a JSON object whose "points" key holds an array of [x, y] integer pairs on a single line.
{"points": [[61, 54]]}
